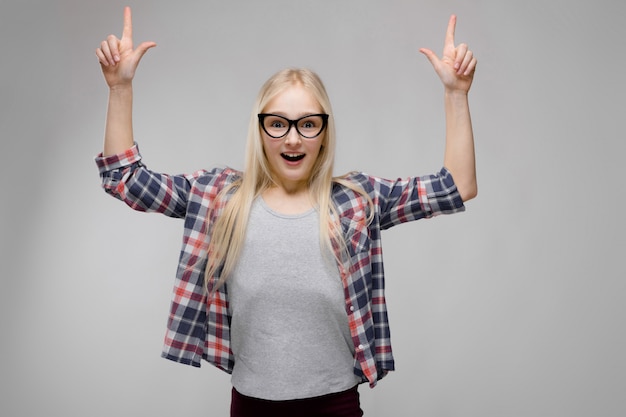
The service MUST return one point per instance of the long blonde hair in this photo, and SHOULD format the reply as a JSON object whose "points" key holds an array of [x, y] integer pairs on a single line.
{"points": [[229, 230]]}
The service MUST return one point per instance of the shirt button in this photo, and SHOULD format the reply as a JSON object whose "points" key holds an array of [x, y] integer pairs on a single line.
{"points": [[360, 347], [351, 308]]}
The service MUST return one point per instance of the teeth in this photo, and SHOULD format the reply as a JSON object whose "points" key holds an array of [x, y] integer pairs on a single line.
{"points": [[292, 156]]}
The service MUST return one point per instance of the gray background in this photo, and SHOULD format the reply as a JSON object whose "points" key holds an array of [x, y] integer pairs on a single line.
{"points": [[514, 308]]}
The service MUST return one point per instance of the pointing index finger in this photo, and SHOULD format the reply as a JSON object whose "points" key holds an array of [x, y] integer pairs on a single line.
{"points": [[128, 24], [450, 32]]}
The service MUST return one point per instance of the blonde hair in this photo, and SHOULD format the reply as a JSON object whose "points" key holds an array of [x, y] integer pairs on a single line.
{"points": [[229, 230]]}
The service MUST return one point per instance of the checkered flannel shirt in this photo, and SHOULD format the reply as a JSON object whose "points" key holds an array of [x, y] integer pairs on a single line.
{"points": [[199, 327]]}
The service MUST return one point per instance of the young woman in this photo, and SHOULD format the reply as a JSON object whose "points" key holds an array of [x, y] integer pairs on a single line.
{"points": [[280, 280]]}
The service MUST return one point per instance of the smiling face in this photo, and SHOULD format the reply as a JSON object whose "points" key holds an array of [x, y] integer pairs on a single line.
{"points": [[292, 157]]}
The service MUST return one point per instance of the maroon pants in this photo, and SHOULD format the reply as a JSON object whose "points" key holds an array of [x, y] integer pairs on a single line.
{"points": [[341, 404]]}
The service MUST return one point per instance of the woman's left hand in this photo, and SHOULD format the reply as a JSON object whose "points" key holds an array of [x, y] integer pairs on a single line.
{"points": [[457, 64]]}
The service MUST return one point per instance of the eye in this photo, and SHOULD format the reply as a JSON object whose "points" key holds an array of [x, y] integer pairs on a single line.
{"points": [[310, 122], [277, 123]]}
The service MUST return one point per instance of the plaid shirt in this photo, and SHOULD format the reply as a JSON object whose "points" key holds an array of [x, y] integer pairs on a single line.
{"points": [[199, 327]]}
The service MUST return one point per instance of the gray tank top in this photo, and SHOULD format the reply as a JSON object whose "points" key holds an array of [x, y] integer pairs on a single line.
{"points": [[289, 329]]}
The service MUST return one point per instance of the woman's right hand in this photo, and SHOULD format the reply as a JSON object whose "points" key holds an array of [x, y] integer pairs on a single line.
{"points": [[117, 57]]}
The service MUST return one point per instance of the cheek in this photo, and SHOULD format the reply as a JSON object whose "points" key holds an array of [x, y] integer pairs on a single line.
{"points": [[268, 147], [317, 150], [266, 154]]}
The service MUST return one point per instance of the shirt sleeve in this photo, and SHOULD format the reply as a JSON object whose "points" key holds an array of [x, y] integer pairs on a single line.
{"points": [[125, 177], [415, 198]]}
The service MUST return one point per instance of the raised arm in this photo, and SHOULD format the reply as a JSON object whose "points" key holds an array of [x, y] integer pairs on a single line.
{"points": [[119, 62], [456, 69]]}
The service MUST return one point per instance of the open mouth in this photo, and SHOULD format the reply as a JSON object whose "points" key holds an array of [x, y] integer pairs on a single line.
{"points": [[292, 157]]}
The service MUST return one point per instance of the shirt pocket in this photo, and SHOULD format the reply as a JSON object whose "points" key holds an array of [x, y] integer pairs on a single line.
{"points": [[357, 238]]}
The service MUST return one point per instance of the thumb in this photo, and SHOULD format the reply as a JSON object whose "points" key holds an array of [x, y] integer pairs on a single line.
{"points": [[141, 50], [432, 57]]}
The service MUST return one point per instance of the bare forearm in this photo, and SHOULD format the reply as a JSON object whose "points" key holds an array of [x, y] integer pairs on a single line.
{"points": [[119, 62], [459, 156], [118, 134]]}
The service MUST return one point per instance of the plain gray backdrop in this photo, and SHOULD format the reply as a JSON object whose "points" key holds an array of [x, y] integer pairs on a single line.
{"points": [[514, 308]]}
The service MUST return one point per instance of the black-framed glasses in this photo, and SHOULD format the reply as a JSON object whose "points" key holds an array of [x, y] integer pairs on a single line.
{"points": [[277, 127]]}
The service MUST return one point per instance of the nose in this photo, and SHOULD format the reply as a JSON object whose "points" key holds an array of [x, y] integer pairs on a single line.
{"points": [[292, 137]]}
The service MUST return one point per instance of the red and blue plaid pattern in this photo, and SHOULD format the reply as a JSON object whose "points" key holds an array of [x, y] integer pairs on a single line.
{"points": [[199, 327]]}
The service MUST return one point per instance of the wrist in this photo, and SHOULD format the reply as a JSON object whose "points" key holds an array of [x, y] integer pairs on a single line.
{"points": [[121, 89], [452, 93], [456, 98]]}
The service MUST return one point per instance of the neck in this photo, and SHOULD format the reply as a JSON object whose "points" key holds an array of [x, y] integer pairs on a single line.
{"points": [[288, 201]]}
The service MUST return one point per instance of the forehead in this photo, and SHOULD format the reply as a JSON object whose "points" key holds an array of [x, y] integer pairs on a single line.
{"points": [[295, 100]]}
